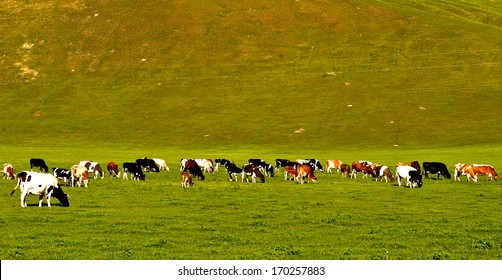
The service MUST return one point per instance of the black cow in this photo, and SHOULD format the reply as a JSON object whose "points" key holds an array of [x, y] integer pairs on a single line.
{"points": [[148, 164], [62, 173], [436, 167], [38, 162], [194, 169], [233, 170], [281, 163], [135, 170]]}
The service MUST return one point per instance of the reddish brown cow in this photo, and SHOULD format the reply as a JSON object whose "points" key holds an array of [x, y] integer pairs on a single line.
{"points": [[113, 169], [186, 180], [290, 173], [345, 169], [415, 164], [365, 167]]}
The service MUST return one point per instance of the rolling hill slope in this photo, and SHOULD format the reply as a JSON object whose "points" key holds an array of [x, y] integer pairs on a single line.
{"points": [[418, 74]]}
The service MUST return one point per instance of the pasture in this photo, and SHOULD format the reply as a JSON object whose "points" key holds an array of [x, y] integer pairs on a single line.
{"points": [[336, 218]]}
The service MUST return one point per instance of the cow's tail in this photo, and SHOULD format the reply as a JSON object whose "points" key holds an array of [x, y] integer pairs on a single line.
{"points": [[17, 185]]}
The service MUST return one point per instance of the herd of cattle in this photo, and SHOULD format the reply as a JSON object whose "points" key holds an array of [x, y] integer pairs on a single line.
{"points": [[47, 184]]}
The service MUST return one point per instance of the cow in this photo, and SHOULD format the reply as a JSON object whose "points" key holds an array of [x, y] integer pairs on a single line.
{"points": [[305, 170], [314, 163], [113, 169], [220, 161], [290, 172], [383, 171], [186, 180], [206, 165], [269, 170], [459, 170], [38, 162], [333, 164], [233, 170], [194, 169], [135, 169], [161, 164], [281, 163], [43, 185], [345, 169], [435, 167], [415, 164], [183, 161], [8, 172], [149, 165], [260, 163], [412, 176], [474, 170], [93, 168], [81, 173], [253, 171], [62, 174], [365, 167]]}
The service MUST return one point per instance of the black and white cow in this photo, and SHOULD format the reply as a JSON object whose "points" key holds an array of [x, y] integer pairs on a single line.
{"points": [[233, 170], [43, 185], [135, 170], [62, 174], [314, 163], [436, 167], [38, 162], [220, 161], [269, 170], [148, 164], [412, 176], [281, 163]]}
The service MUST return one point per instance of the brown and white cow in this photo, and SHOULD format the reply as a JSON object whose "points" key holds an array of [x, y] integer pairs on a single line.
{"points": [[474, 170], [94, 168], [458, 170], [8, 172], [333, 164], [383, 172], [113, 169], [305, 170], [80, 173], [186, 179]]}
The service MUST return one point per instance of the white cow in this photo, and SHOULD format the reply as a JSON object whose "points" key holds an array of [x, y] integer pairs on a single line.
{"points": [[205, 164], [81, 173], [413, 177], [40, 184], [161, 164]]}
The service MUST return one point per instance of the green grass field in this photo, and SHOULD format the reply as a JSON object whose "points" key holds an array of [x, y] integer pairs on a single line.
{"points": [[386, 81]]}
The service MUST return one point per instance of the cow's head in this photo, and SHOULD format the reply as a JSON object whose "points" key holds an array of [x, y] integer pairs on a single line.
{"points": [[415, 179], [61, 196]]}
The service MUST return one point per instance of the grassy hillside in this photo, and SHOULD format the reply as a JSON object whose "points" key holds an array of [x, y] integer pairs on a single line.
{"points": [[340, 73]]}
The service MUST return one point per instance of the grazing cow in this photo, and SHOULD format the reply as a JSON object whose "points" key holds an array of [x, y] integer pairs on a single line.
{"points": [[186, 180], [474, 170], [113, 169], [43, 185], [415, 164], [314, 163], [135, 170], [305, 170], [233, 170], [413, 177], [281, 163], [269, 170], [333, 164], [205, 164], [62, 174], [459, 170], [38, 162], [8, 172], [93, 168], [383, 171], [290, 173], [81, 173], [345, 169], [220, 161], [161, 164], [253, 171], [148, 164], [435, 167], [365, 167], [194, 169], [183, 161]]}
